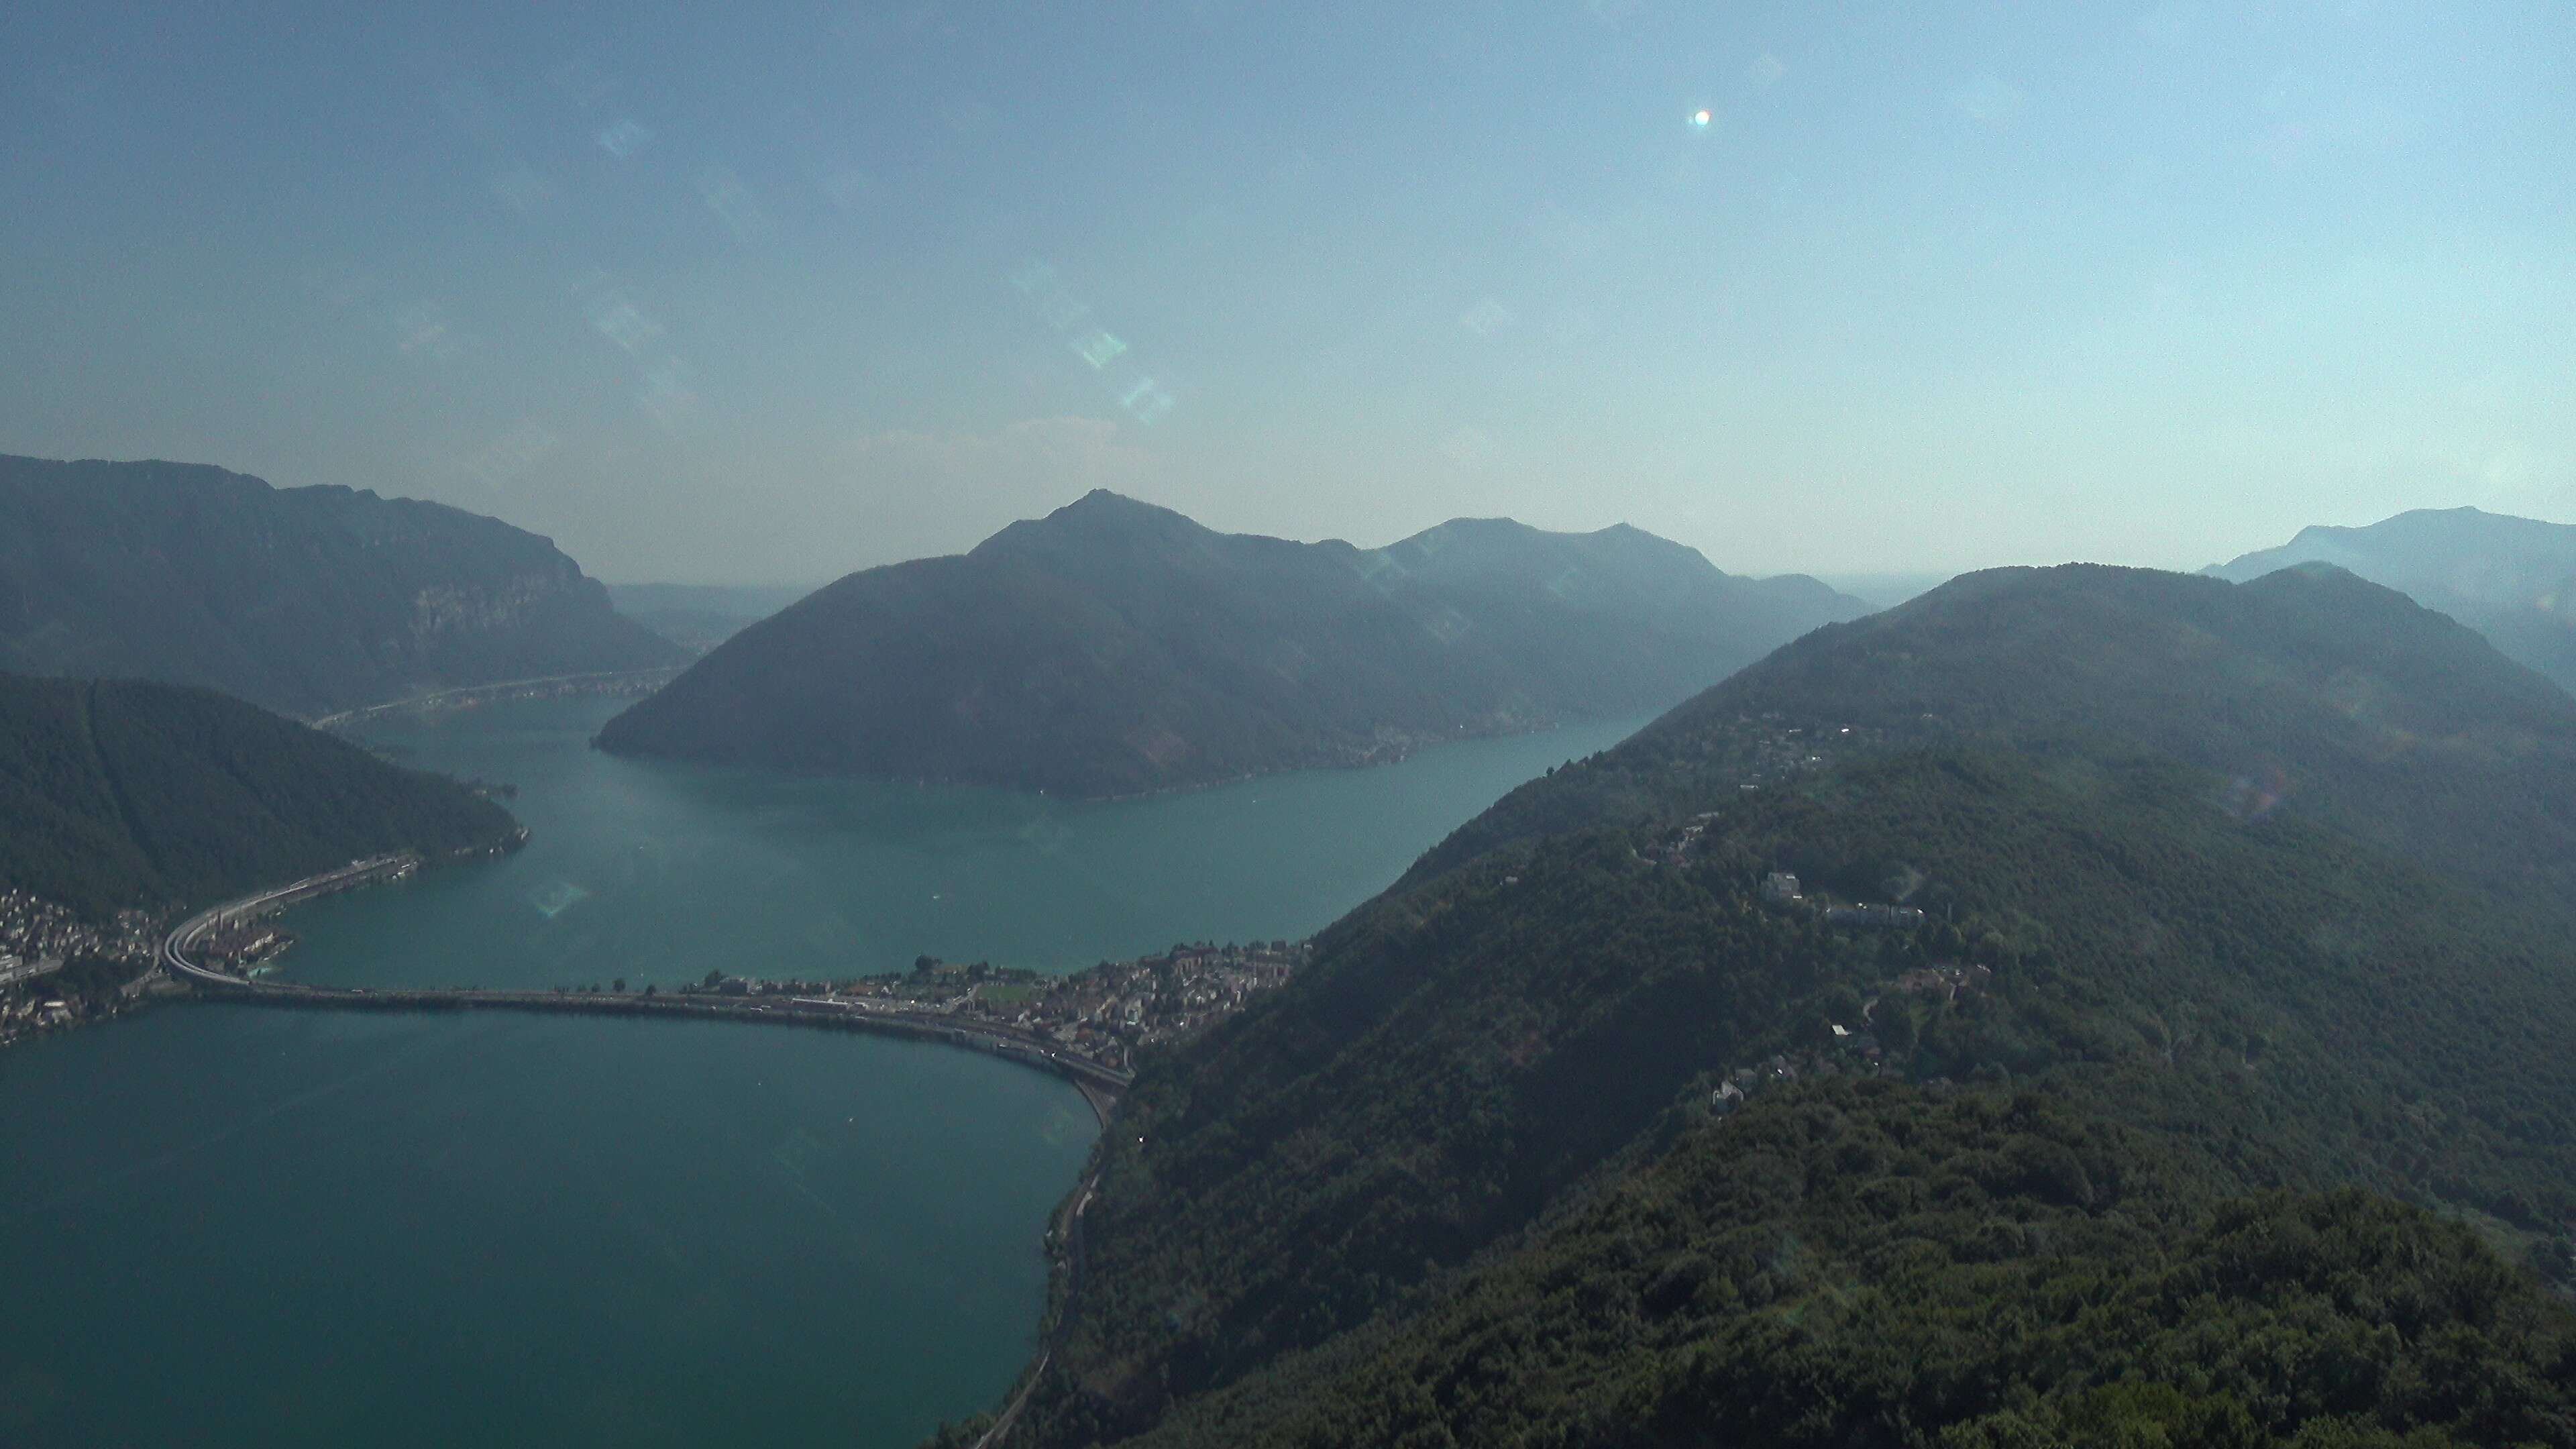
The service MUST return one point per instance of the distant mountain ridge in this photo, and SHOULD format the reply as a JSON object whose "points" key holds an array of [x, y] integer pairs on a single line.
{"points": [[1115, 647], [2511, 579], [302, 600]]}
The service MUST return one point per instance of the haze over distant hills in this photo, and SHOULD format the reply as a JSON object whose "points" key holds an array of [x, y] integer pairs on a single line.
{"points": [[303, 600], [1114, 647], [2511, 579], [1466, 1179], [698, 617], [1886, 591]]}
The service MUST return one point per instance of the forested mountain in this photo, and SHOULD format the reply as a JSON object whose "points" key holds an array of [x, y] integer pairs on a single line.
{"points": [[1114, 647], [119, 794], [2511, 579], [1867, 1264], [1465, 1180], [302, 600], [2309, 690]]}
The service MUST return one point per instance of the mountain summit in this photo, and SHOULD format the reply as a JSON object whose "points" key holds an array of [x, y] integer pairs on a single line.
{"points": [[1114, 647]]}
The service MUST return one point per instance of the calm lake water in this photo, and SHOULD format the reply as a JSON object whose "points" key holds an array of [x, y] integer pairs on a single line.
{"points": [[225, 1225], [658, 872], [234, 1225]]}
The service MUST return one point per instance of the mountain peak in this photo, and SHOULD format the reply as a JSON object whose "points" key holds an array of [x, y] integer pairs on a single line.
{"points": [[1101, 506], [1103, 501], [1097, 519]]}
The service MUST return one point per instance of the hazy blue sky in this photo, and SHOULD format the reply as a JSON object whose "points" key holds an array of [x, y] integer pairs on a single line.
{"points": [[769, 293]]}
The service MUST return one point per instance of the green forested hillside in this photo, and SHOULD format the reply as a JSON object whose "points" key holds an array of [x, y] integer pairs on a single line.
{"points": [[2319, 694], [2299, 1008], [2282, 998], [1866, 1265], [301, 600], [120, 794], [1114, 647]]}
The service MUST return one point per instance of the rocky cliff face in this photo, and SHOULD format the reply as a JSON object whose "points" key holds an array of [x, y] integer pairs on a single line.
{"points": [[305, 600]]}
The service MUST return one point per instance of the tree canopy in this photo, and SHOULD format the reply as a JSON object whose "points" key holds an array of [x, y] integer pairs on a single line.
{"points": [[127, 795]]}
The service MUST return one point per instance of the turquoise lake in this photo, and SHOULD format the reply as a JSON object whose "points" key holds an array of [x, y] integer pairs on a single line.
{"points": [[229, 1225]]}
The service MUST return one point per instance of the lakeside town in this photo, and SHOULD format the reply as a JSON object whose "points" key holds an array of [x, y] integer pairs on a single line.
{"points": [[57, 969], [1100, 1014]]}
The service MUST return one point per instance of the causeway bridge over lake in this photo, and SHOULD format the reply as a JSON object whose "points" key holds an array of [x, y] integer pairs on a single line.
{"points": [[1100, 1085]]}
